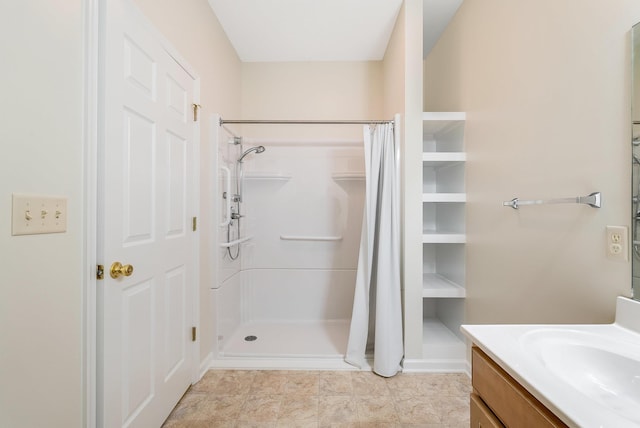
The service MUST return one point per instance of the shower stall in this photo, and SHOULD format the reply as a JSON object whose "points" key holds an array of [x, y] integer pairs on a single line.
{"points": [[290, 222]]}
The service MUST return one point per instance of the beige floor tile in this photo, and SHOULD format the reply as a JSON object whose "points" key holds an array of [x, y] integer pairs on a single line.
{"points": [[417, 410], [336, 383], [269, 383], [453, 410], [331, 399], [336, 409], [200, 424], [261, 408], [376, 409], [302, 384], [368, 383], [462, 383], [226, 382], [214, 424], [439, 384], [176, 423], [362, 425], [191, 407], [209, 378], [222, 408], [425, 426], [404, 385], [249, 424], [297, 424], [298, 409]]}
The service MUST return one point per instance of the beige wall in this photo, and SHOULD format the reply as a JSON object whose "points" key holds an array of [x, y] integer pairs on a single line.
{"points": [[41, 287], [194, 31], [311, 90], [546, 86]]}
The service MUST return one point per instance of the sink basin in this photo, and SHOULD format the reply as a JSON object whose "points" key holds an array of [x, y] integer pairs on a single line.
{"points": [[605, 369]]}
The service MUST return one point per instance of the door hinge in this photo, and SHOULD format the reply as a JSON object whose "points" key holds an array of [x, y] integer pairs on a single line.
{"points": [[100, 272], [196, 107], [193, 334], [194, 224]]}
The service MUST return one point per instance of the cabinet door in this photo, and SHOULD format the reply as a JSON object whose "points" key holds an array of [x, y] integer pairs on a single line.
{"points": [[509, 400], [481, 415]]}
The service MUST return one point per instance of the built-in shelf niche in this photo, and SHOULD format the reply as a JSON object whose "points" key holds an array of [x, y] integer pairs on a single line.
{"points": [[446, 261], [445, 177], [444, 236], [445, 217], [443, 132]]}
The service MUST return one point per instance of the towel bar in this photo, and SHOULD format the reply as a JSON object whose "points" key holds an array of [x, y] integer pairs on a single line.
{"points": [[593, 200]]}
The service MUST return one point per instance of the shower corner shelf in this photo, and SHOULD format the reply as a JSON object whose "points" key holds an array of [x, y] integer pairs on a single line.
{"points": [[278, 176], [443, 237], [348, 176]]}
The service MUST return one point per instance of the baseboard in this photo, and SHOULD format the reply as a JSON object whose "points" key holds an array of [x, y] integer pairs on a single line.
{"points": [[436, 366], [205, 365], [263, 363]]}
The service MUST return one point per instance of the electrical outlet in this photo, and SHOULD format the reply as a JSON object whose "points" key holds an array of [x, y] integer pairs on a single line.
{"points": [[617, 243], [37, 214]]}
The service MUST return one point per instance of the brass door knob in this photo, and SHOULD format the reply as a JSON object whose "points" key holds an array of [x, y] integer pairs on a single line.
{"points": [[118, 270]]}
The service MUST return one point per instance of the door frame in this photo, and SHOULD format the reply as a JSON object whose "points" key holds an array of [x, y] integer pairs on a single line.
{"points": [[92, 12]]}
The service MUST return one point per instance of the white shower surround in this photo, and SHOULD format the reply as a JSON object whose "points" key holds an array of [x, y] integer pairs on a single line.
{"points": [[294, 285]]}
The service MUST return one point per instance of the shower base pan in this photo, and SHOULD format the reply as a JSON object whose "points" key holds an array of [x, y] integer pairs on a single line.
{"points": [[307, 345]]}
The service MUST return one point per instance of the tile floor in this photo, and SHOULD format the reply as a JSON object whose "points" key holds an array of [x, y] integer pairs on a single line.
{"points": [[229, 398]]}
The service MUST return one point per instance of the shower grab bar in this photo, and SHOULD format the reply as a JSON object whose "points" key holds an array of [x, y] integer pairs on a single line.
{"points": [[235, 242], [593, 200], [227, 211], [310, 238]]}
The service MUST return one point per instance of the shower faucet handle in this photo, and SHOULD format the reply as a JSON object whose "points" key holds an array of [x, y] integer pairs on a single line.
{"points": [[235, 216]]}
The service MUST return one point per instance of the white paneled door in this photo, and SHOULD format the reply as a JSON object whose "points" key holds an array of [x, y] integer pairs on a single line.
{"points": [[146, 205]]}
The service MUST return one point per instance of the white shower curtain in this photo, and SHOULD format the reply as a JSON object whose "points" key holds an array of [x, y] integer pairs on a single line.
{"points": [[377, 311]]}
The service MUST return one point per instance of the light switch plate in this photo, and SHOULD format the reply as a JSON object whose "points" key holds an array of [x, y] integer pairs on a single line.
{"points": [[37, 214]]}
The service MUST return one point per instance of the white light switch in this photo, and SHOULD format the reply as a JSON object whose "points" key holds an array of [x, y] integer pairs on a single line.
{"points": [[36, 214]]}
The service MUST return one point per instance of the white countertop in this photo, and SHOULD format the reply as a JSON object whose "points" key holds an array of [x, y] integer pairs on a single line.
{"points": [[508, 345]]}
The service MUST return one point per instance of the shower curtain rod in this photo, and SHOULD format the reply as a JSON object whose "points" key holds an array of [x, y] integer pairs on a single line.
{"points": [[304, 122]]}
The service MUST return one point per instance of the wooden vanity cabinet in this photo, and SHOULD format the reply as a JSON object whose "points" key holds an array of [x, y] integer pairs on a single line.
{"points": [[481, 415], [498, 400]]}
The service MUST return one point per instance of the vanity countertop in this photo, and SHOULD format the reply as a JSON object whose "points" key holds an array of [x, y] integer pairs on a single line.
{"points": [[588, 375]]}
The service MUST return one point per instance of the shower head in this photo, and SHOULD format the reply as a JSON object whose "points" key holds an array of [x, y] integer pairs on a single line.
{"points": [[257, 149]]}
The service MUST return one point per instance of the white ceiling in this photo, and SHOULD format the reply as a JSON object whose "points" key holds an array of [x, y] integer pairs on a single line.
{"points": [[320, 30], [436, 16]]}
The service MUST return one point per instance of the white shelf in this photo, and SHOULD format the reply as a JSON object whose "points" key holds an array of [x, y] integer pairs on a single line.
{"points": [[435, 123], [440, 343], [444, 197], [437, 286], [443, 222], [348, 176], [267, 176], [444, 116], [442, 159], [441, 237]]}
